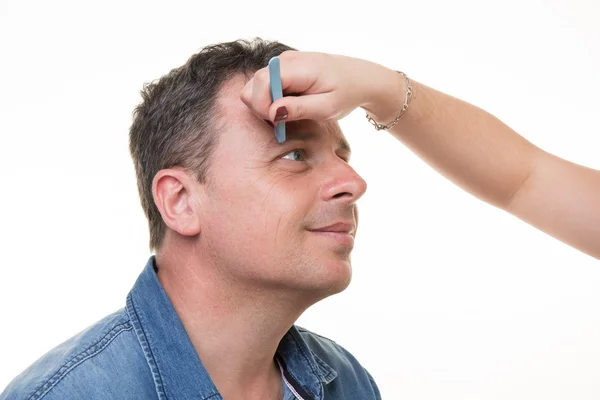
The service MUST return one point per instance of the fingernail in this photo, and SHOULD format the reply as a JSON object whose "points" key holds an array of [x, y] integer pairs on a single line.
{"points": [[282, 113], [269, 122]]}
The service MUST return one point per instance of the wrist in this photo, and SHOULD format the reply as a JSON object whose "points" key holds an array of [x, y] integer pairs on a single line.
{"points": [[388, 96]]}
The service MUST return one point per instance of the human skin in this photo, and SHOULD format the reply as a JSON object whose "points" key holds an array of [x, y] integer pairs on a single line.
{"points": [[466, 144]]}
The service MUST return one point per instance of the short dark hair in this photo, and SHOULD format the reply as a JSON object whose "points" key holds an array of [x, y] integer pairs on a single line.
{"points": [[175, 124]]}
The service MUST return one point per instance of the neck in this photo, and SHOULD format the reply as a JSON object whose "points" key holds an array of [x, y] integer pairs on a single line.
{"points": [[234, 328]]}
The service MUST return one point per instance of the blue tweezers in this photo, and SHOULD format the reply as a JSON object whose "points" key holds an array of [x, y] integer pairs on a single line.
{"points": [[276, 94]]}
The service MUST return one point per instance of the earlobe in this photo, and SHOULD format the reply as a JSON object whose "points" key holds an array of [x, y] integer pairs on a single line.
{"points": [[173, 192]]}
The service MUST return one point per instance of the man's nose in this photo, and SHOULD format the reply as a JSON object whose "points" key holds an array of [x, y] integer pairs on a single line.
{"points": [[342, 183]]}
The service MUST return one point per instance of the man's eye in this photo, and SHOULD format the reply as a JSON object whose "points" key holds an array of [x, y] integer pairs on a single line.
{"points": [[296, 155]]}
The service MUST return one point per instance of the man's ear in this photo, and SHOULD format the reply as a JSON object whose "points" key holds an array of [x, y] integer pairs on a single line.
{"points": [[173, 191]]}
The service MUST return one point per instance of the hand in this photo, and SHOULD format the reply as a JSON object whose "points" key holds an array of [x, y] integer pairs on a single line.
{"points": [[319, 86]]}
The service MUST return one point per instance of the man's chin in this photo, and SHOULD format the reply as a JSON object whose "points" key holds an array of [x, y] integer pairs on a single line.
{"points": [[321, 277], [333, 277]]}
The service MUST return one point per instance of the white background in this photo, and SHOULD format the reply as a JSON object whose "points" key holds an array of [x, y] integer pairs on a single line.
{"points": [[451, 298]]}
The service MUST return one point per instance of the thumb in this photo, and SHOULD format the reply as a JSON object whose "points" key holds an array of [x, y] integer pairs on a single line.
{"points": [[317, 107]]}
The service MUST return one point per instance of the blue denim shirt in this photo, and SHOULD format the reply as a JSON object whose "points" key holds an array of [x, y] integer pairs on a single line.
{"points": [[143, 352]]}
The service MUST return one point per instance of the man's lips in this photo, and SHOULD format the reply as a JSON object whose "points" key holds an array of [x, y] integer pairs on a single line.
{"points": [[338, 227], [341, 232]]}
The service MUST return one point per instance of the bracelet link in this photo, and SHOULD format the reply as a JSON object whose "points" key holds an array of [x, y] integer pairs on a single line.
{"points": [[407, 99]]}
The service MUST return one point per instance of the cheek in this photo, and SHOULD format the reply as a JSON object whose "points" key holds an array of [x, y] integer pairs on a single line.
{"points": [[265, 209]]}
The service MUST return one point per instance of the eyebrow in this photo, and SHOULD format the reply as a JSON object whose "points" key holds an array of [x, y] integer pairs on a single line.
{"points": [[311, 135]]}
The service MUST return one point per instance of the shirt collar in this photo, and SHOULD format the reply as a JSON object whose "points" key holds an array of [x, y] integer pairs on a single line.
{"points": [[176, 368], [302, 367]]}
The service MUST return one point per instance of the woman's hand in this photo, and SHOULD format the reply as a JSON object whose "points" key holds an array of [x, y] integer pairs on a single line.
{"points": [[322, 86]]}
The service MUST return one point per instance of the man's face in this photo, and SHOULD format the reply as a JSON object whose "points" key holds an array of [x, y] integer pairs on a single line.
{"points": [[265, 201]]}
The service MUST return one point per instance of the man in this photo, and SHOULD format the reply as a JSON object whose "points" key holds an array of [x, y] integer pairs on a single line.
{"points": [[247, 234], [244, 247]]}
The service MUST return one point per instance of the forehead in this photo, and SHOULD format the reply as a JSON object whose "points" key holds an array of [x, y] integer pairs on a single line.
{"points": [[233, 112]]}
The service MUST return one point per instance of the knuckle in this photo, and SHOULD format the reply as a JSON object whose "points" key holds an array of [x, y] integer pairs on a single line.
{"points": [[246, 95], [299, 111], [288, 54], [261, 75], [331, 108]]}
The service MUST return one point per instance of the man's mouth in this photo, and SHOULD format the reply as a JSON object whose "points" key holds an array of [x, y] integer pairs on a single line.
{"points": [[346, 227], [342, 232]]}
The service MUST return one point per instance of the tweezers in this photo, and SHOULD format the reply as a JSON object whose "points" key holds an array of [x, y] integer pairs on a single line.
{"points": [[276, 94]]}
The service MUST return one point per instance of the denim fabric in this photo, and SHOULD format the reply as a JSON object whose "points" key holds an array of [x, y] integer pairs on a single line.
{"points": [[143, 352]]}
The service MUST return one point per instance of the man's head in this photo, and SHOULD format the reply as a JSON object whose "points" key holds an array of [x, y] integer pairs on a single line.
{"points": [[212, 175]]}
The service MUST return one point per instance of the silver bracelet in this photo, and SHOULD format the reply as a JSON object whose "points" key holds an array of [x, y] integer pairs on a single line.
{"points": [[407, 100]]}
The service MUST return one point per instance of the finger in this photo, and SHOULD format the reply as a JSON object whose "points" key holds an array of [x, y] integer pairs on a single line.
{"points": [[256, 94], [298, 71], [296, 77], [261, 94], [246, 93], [319, 107]]}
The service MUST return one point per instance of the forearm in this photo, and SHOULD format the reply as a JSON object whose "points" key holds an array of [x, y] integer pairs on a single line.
{"points": [[487, 158], [466, 144]]}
